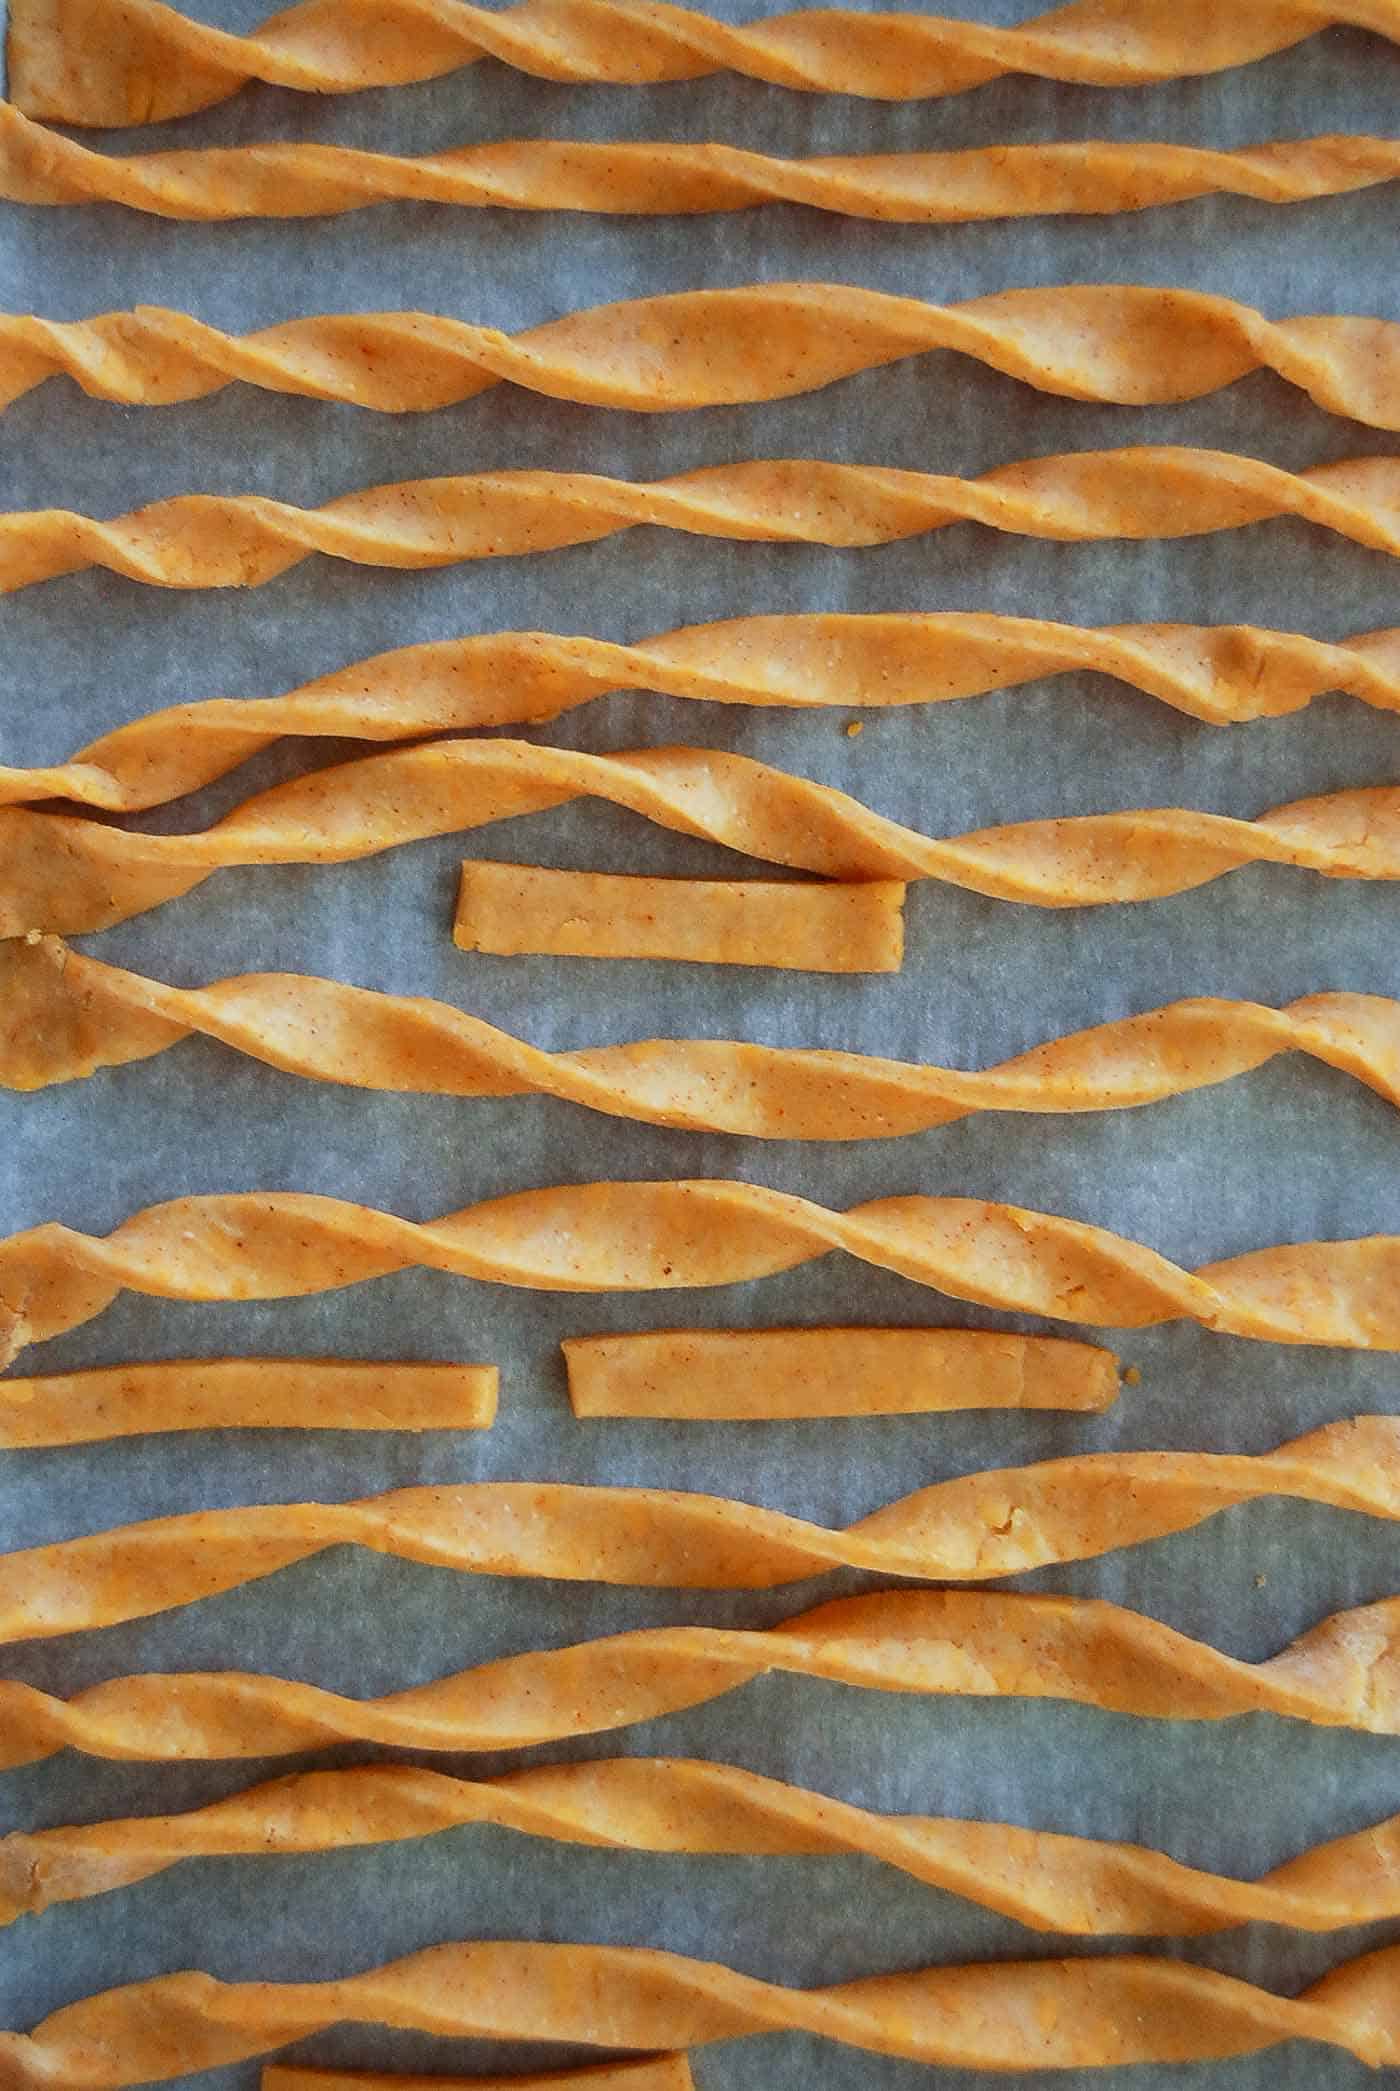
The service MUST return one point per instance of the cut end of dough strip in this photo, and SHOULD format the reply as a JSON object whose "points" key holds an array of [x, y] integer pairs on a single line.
{"points": [[509, 909], [751, 1375], [666, 2073], [122, 1401]]}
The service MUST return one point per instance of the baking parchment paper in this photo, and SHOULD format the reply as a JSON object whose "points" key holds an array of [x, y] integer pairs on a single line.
{"points": [[1292, 1151]]}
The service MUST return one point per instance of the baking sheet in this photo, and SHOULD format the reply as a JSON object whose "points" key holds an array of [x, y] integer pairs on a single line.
{"points": [[1292, 1151]]}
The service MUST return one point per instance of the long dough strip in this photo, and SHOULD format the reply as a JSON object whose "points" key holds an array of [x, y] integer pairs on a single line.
{"points": [[63, 1015], [1124, 343], [732, 1375], [62, 873], [1344, 1673], [1218, 674], [973, 1529], [245, 540], [111, 62], [1010, 2015], [120, 1401], [1078, 1885], [666, 2073], [671, 1236], [647, 179]]}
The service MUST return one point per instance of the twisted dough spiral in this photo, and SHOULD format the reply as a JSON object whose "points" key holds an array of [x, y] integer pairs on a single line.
{"points": [[1152, 491], [985, 1644], [647, 1237], [1048, 1882], [1215, 673], [118, 1401], [1008, 2015], [63, 1015], [624, 179], [974, 1529], [62, 873], [109, 62], [1125, 343]]}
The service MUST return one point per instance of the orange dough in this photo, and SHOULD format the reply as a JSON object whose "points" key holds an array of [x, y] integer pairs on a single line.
{"points": [[1218, 674], [1049, 1882], [746, 1375], [62, 872], [243, 540], [136, 61], [1009, 2015], [1128, 343], [122, 1401], [973, 1529], [666, 2073], [835, 927]]}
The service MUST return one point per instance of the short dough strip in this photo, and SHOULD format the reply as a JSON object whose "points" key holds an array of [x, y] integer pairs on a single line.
{"points": [[62, 873], [113, 62], [1077, 1885], [1344, 1673], [121, 1401], [1131, 344], [976, 1528], [1216, 674], [671, 1236], [63, 1015], [1013, 2015], [1148, 492]]}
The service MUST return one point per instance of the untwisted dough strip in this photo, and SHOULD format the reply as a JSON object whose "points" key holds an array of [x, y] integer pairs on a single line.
{"points": [[1218, 674], [63, 1015], [1090, 2012], [974, 1529], [669, 1236], [666, 2073], [1344, 1673], [119, 1401], [111, 62], [245, 540], [650, 178], [1079, 1885], [1129, 344], [728, 1375]]}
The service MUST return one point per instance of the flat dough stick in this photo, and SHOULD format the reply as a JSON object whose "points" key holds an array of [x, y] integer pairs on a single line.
{"points": [[1099, 2012], [1219, 674], [62, 1015], [666, 2073], [1148, 492], [657, 1804], [789, 926], [113, 62], [124, 1401], [1132, 344], [1344, 1673], [677, 1235], [976, 1528], [63, 872], [764, 1375]]}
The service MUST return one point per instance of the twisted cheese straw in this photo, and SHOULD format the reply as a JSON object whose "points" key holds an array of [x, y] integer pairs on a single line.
{"points": [[1130, 344], [84, 1408], [665, 2073], [1048, 1882], [646, 1237], [244, 540], [625, 179], [60, 872], [1218, 674], [1009, 2015], [974, 1529], [108, 62], [63, 1015], [1344, 1673]]}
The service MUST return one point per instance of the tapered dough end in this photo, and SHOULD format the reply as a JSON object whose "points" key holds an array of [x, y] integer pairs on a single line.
{"points": [[745, 1375], [664, 2073], [83, 1408], [828, 927]]}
